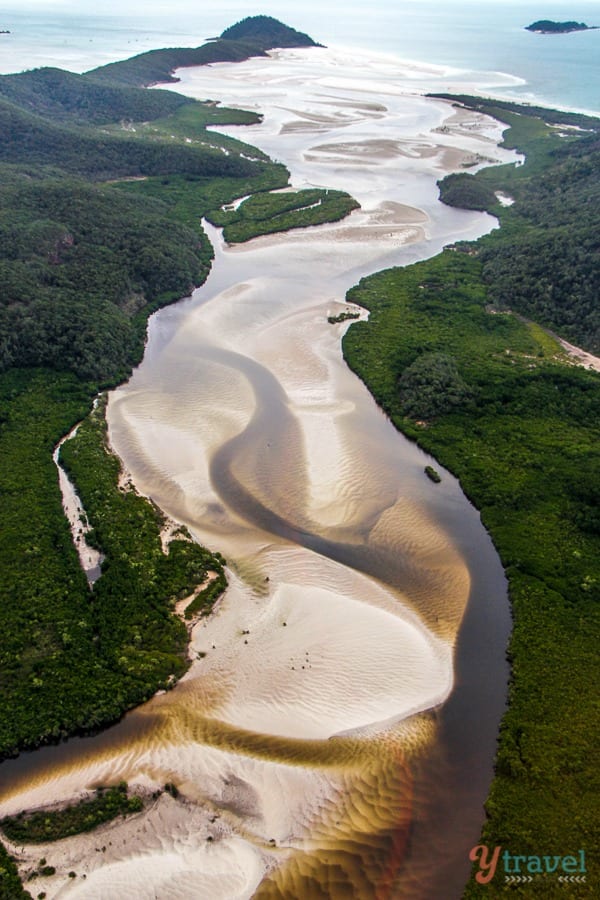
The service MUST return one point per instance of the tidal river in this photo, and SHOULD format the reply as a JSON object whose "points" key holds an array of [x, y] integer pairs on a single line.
{"points": [[334, 736]]}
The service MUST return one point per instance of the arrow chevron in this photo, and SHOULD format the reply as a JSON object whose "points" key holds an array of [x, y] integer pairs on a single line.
{"points": [[517, 879]]}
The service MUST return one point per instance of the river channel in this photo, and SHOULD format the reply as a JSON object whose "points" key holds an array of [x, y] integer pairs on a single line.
{"points": [[334, 736]]}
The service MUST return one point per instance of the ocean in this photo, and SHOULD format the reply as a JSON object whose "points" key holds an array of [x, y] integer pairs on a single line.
{"points": [[488, 38]]}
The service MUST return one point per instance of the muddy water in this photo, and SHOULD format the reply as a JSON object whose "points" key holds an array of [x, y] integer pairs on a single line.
{"points": [[335, 733]]}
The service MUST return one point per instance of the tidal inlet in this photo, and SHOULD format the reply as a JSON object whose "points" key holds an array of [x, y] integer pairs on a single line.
{"points": [[335, 732]]}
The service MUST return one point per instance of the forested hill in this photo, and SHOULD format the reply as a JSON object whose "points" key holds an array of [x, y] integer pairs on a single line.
{"points": [[81, 261], [75, 260], [70, 98], [546, 26], [253, 36], [268, 33], [28, 139]]}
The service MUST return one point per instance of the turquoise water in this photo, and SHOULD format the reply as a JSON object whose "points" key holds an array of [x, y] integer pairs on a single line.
{"points": [[558, 70]]}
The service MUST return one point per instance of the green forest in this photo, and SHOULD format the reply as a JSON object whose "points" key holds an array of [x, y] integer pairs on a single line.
{"points": [[269, 213], [544, 261], [451, 358]]}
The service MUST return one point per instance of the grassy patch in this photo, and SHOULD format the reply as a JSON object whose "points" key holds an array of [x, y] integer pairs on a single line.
{"points": [[270, 213], [189, 125]]}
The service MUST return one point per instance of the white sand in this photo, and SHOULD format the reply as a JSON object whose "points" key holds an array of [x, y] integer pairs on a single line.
{"points": [[340, 662], [192, 846], [89, 557]]}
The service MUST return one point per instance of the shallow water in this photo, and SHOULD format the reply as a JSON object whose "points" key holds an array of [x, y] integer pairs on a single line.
{"points": [[337, 729]]}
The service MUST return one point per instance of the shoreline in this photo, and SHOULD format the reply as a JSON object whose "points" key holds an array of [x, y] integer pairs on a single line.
{"points": [[579, 356]]}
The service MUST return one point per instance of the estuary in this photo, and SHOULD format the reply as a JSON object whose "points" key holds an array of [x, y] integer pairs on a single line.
{"points": [[336, 729]]}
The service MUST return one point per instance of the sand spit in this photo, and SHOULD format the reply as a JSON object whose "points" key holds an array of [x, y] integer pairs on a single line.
{"points": [[89, 557], [218, 837]]}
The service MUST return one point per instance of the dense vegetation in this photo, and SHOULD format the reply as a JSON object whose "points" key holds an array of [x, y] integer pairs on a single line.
{"points": [[431, 385], [27, 139], [78, 264], [253, 36], [268, 33], [343, 317], [494, 400], [82, 264], [544, 261], [203, 601], [270, 213], [10, 883], [53, 825], [67, 97], [99, 226]]}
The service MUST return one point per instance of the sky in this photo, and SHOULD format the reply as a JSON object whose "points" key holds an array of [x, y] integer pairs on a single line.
{"points": [[253, 7], [292, 12]]}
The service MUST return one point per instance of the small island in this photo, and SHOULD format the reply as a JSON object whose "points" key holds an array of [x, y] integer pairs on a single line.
{"points": [[545, 26]]}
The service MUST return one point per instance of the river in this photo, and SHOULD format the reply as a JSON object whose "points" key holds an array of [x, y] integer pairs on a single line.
{"points": [[335, 733]]}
